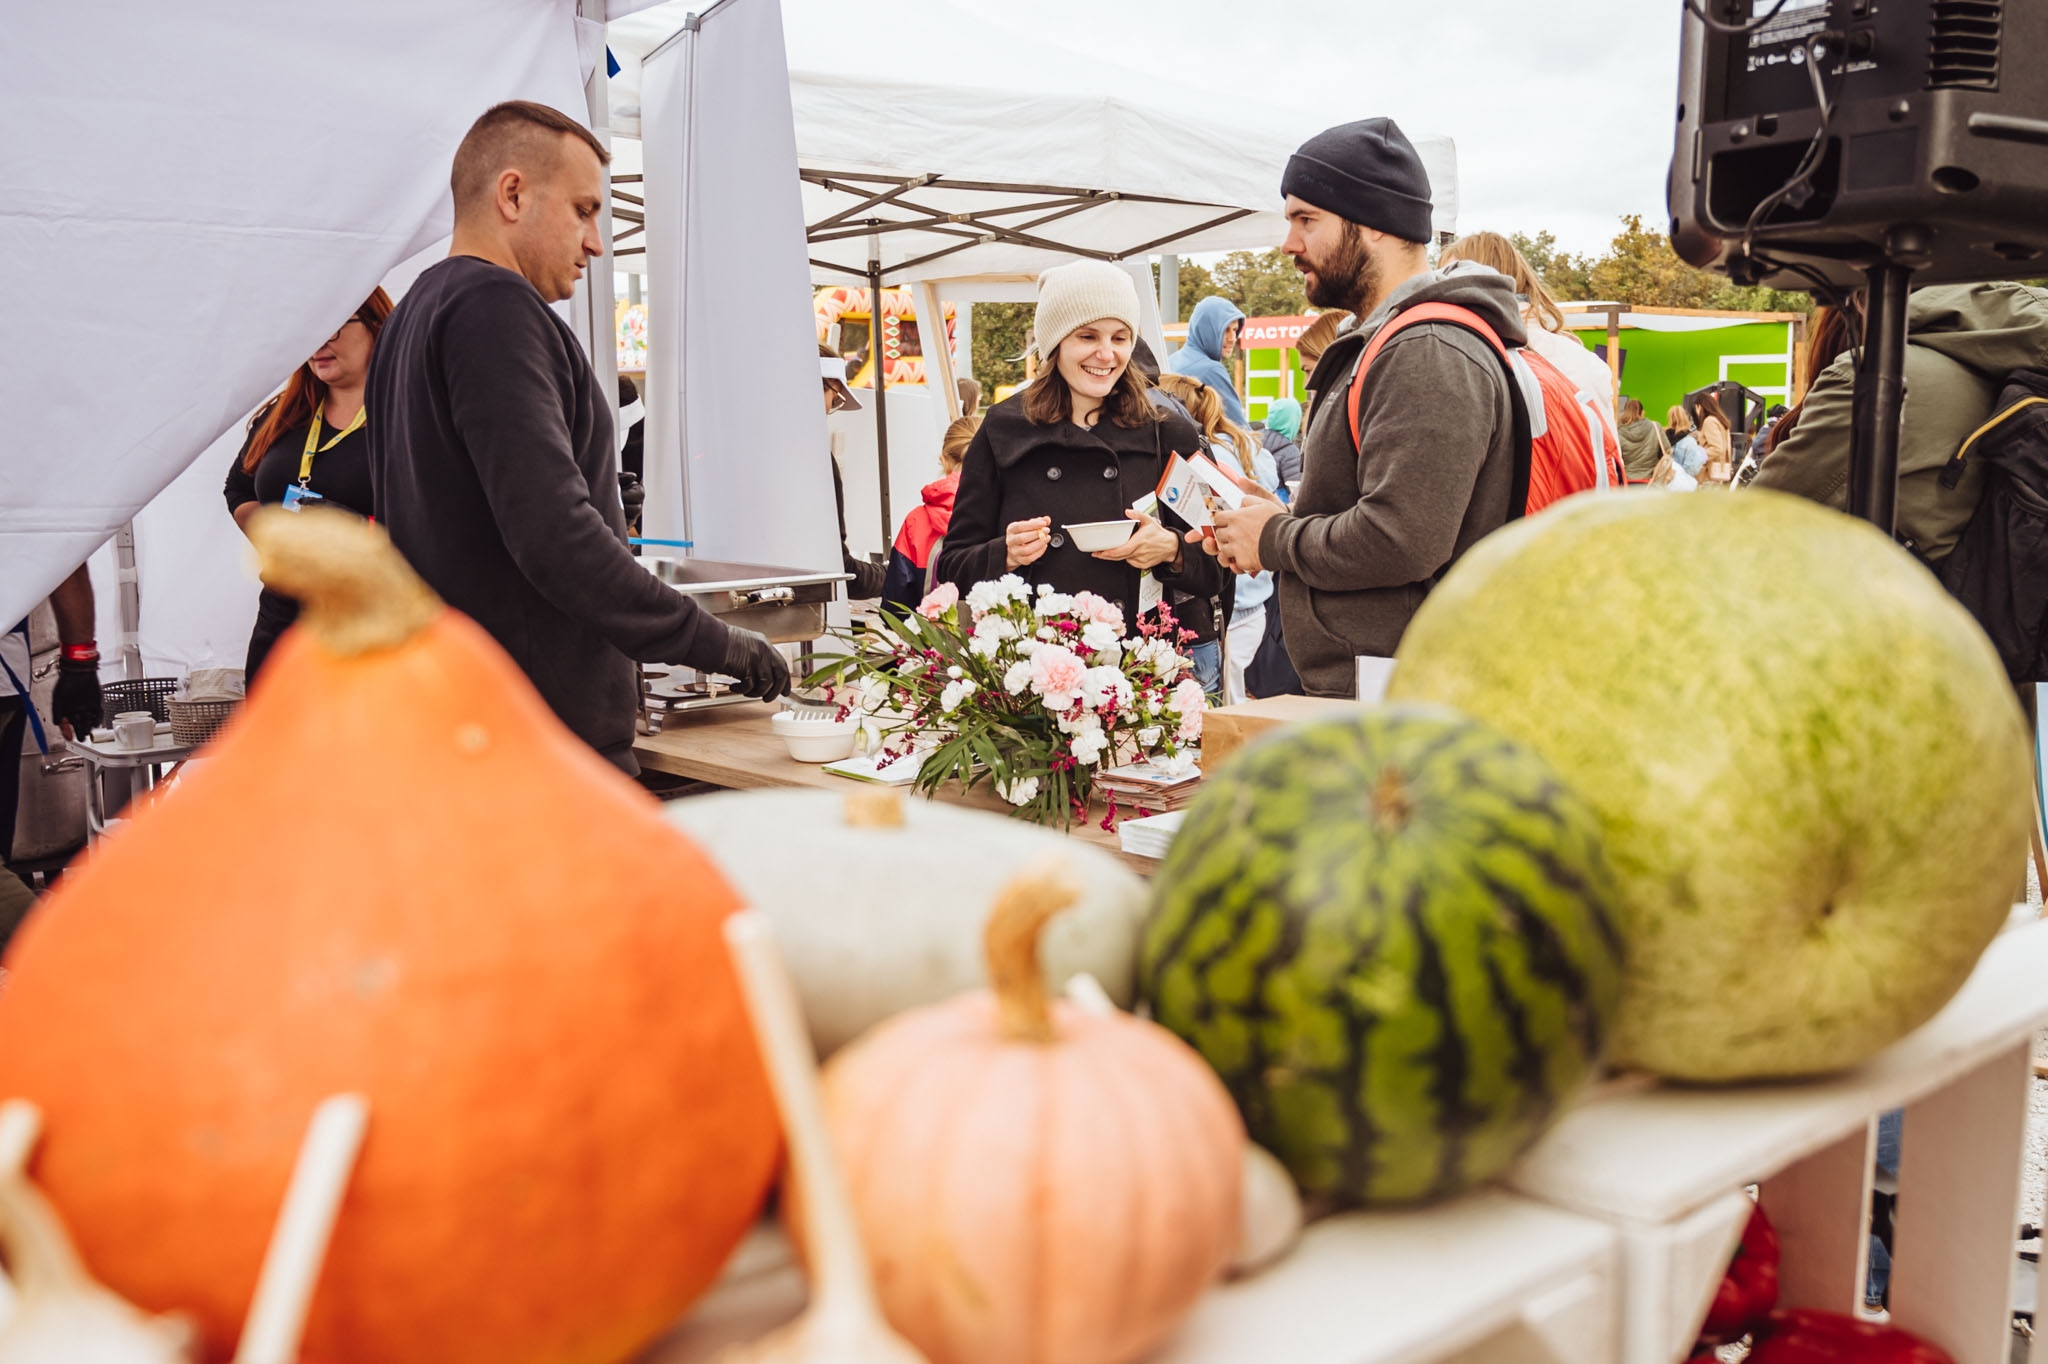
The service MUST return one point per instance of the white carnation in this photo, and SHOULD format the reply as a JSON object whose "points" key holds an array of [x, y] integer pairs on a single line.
{"points": [[1104, 686], [1014, 588], [1019, 793], [1149, 736], [1088, 746], [954, 693], [1018, 677], [983, 598], [1176, 765], [1097, 635], [1051, 603]]}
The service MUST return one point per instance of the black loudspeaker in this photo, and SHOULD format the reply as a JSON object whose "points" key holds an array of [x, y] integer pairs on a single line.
{"points": [[1838, 135]]}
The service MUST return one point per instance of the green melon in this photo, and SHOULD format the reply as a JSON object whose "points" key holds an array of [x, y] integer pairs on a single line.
{"points": [[1392, 937], [1812, 772]]}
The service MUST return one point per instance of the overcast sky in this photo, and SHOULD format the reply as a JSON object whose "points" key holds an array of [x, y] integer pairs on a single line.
{"points": [[1563, 110]]}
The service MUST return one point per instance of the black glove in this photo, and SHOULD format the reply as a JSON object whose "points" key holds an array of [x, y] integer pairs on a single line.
{"points": [[76, 701], [762, 672]]}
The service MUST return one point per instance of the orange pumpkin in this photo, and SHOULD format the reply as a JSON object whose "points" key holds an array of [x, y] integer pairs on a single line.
{"points": [[397, 874], [1035, 1183]]}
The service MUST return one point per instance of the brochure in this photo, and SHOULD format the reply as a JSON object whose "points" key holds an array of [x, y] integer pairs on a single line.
{"points": [[1195, 489]]}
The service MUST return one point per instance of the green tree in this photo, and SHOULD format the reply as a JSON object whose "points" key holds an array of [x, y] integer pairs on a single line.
{"points": [[1263, 283], [1196, 284], [1565, 275], [1001, 332], [1642, 270]]}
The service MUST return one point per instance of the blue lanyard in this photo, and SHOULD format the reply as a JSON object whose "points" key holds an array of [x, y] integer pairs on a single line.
{"points": [[35, 721]]}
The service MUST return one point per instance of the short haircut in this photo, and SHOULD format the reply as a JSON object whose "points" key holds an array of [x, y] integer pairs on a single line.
{"points": [[517, 133]]}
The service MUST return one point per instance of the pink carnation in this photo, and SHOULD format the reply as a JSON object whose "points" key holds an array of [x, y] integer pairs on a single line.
{"points": [[1189, 701], [1056, 674], [939, 601], [1098, 610]]}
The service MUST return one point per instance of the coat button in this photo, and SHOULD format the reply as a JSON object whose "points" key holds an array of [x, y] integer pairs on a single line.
{"points": [[1053, 473], [1109, 471], [1058, 540]]}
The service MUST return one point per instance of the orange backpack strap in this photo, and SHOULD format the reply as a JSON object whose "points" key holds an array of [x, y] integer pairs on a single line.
{"points": [[1402, 321], [1471, 322]]}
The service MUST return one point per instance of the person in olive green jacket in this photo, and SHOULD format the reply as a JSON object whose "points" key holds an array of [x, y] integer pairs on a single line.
{"points": [[1642, 441], [1962, 340]]}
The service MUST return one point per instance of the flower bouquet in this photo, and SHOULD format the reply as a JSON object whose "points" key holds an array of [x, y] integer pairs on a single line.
{"points": [[1038, 693]]}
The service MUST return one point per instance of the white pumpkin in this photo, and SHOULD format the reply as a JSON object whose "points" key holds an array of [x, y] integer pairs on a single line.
{"points": [[876, 916]]}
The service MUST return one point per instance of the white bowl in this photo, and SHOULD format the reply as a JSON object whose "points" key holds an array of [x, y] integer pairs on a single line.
{"points": [[1092, 536], [823, 740]]}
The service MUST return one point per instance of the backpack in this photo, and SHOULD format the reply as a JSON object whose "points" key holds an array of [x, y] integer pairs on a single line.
{"points": [[1999, 568], [1569, 449]]}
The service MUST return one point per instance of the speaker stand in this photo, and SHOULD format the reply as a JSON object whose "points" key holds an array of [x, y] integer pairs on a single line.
{"points": [[1881, 380]]}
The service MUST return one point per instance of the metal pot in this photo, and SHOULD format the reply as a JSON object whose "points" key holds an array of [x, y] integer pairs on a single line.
{"points": [[51, 819]]}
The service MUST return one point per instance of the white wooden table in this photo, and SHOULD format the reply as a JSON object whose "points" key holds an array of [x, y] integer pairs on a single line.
{"points": [[128, 773], [1612, 1235], [1488, 1279], [1665, 1167]]}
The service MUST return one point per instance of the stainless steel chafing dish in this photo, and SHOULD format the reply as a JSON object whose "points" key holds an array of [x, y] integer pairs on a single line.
{"points": [[785, 604]]}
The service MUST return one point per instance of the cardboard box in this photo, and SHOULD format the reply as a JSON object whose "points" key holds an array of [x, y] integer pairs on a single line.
{"points": [[1229, 728]]}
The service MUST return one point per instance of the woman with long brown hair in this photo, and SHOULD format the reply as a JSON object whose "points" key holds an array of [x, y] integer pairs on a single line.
{"points": [[1081, 443], [307, 446], [1548, 335]]}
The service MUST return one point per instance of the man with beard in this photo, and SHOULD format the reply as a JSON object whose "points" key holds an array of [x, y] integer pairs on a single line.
{"points": [[1384, 508]]}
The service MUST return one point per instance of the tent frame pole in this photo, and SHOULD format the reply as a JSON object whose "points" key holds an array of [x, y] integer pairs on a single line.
{"points": [[878, 363]]}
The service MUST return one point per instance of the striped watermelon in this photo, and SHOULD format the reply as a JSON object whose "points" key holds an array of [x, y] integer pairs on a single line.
{"points": [[1393, 937]]}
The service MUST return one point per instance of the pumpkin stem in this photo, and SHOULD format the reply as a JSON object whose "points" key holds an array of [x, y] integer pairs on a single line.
{"points": [[356, 592], [1022, 910]]}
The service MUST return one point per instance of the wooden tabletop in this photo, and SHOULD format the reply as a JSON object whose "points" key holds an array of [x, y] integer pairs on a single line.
{"points": [[732, 746]]}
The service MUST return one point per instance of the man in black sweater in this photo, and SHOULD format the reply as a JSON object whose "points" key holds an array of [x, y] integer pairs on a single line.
{"points": [[491, 453]]}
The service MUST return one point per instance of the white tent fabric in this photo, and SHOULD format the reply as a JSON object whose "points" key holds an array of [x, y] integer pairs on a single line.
{"points": [[1134, 163], [155, 294], [735, 433]]}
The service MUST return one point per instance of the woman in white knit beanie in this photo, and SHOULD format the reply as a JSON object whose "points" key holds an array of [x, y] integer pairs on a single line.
{"points": [[1079, 445]]}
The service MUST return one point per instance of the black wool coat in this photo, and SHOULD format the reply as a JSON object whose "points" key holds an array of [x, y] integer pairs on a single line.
{"points": [[1016, 470]]}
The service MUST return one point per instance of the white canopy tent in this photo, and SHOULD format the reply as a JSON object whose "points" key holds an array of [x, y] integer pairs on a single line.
{"points": [[968, 111], [180, 239], [962, 158], [186, 224]]}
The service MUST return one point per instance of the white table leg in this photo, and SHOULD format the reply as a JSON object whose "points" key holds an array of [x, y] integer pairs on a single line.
{"points": [[1574, 1323], [1821, 1209], [1670, 1273], [1959, 1193]]}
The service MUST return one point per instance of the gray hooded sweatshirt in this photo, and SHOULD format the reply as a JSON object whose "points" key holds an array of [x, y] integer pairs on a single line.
{"points": [[1378, 522]]}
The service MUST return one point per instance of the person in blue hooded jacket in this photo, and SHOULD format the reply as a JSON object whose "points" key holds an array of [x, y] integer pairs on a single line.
{"points": [[1213, 330]]}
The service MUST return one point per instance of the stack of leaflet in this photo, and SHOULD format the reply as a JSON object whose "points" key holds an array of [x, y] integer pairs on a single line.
{"points": [[1149, 787], [1151, 836]]}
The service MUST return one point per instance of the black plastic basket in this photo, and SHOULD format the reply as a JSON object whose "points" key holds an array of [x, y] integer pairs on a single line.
{"points": [[152, 694]]}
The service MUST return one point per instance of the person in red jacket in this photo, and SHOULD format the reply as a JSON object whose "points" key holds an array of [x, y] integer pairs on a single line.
{"points": [[925, 526]]}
